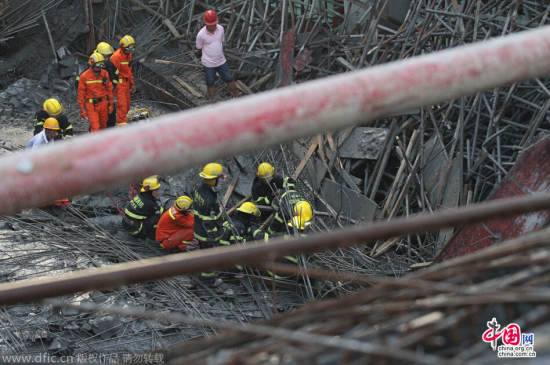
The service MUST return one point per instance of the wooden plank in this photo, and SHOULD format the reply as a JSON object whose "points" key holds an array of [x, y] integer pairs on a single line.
{"points": [[242, 86], [172, 28], [230, 189], [262, 80], [188, 87], [305, 159]]}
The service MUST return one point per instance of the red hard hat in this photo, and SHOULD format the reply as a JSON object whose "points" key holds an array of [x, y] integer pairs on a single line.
{"points": [[210, 17]]}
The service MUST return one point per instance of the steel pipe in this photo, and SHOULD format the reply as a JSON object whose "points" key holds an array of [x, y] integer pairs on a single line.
{"points": [[170, 143], [191, 263]]}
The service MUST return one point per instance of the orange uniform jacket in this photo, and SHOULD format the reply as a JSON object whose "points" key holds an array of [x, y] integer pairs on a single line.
{"points": [[122, 63], [91, 86], [172, 221]]}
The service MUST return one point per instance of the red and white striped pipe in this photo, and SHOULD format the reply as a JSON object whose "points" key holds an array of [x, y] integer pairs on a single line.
{"points": [[198, 136]]}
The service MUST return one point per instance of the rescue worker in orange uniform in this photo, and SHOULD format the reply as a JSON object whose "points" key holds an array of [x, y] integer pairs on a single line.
{"points": [[95, 93], [122, 59], [175, 228], [107, 51]]}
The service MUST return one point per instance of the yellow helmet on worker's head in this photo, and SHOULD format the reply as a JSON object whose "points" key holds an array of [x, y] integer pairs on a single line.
{"points": [[96, 59], [53, 107], [105, 49], [127, 42], [249, 208], [212, 171], [51, 123], [303, 215], [151, 183], [265, 171], [183, 203]]}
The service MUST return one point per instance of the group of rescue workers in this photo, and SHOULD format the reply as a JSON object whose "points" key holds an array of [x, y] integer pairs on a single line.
{"points": [[104, 88], [110, 73], [200, 219]]}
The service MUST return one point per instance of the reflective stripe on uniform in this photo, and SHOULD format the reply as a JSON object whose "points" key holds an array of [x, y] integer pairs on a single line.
{"points": [[122, 123], [224, 242], [40, 123], [69, 136], [263, 199], [292, 258], [278, 276], [98, 99], [208, 274], [171, 215], [206, 217], [69, 127], [136, 232], [94, 82], [278, 218], [135, 216]]}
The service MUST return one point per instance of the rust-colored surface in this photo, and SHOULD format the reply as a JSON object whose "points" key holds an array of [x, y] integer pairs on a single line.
{"points": [[530, 174], [287, 56]]}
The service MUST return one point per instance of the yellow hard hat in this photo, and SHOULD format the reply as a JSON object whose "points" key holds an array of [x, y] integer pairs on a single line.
{"points": [[151, 183], [249, 208], [265, 171], [303, 215], [127, 42], [96, 59], [212, 171], [53, 107], [183, 203], [51, 123], [104, 48]]}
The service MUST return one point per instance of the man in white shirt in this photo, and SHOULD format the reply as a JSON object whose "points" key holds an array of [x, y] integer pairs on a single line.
{"points": [[210, 41], [51, 126]]}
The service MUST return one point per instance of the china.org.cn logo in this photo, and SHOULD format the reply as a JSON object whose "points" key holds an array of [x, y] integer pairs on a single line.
{"points": [[514, 343]]}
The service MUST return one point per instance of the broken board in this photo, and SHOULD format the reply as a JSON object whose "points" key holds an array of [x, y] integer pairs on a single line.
{"points": [[348, 202], [364, 143]]}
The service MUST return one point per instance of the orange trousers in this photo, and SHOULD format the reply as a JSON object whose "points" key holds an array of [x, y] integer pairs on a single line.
{"points": [[98, 115], [122, 93], [179, 239]]}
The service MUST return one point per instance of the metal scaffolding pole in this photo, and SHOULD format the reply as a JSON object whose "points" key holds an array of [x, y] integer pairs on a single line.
{"points": [[114, 276], [170, 143]]}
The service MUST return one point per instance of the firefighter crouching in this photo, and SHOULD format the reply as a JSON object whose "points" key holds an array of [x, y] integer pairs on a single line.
{"points": [[52, 108], [95, 93], [143, 212], [175, 227], [237, 228], [299, 227]]}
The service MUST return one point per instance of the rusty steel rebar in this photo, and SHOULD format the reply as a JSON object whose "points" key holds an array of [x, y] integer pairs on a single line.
{"points": [[168, 144], [195, 262]]}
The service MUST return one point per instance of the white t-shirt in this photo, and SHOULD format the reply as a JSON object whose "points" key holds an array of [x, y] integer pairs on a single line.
{"points": [[212, 46], [38, 140]]}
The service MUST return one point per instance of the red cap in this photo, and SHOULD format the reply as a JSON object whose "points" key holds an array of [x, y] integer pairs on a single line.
{"points": [[210, 17]]}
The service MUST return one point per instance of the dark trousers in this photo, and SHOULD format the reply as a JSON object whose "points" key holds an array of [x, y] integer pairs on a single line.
{"points": [[112, 119], [146, 228]]}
